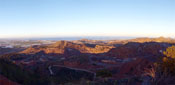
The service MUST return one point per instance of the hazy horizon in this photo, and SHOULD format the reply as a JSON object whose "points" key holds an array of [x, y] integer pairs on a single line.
{"points": [[65, 18], [82, 37]]}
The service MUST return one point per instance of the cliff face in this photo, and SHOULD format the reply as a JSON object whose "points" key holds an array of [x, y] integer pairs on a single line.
{"points": [[60, 47]]}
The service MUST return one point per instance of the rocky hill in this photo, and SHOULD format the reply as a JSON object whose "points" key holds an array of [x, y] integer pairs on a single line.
{"points": [[60, 47]]}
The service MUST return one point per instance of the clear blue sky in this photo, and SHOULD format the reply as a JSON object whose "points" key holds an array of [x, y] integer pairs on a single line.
{"points": [[52, 18]]}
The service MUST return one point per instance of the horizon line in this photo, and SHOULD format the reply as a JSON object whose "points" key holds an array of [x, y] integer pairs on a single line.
{"points": [[83, 37]]}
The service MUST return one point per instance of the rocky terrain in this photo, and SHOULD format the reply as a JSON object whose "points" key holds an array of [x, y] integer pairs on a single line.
{"points": [[84, 61], [60, 47], [133, 49]]}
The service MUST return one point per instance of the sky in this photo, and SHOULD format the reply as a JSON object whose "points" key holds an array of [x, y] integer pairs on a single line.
{"points": [[58, 18]]}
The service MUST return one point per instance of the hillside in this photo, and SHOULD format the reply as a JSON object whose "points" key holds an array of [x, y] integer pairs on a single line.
{"points": [[9, 50], [143, 40], [60, 47], [134, 49]]}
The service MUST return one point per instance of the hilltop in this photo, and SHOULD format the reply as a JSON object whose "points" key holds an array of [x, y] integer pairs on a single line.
{"points": [[61, 46]]}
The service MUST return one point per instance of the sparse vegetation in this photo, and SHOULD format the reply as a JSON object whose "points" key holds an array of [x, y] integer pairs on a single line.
{"points": [[163, 72]]}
